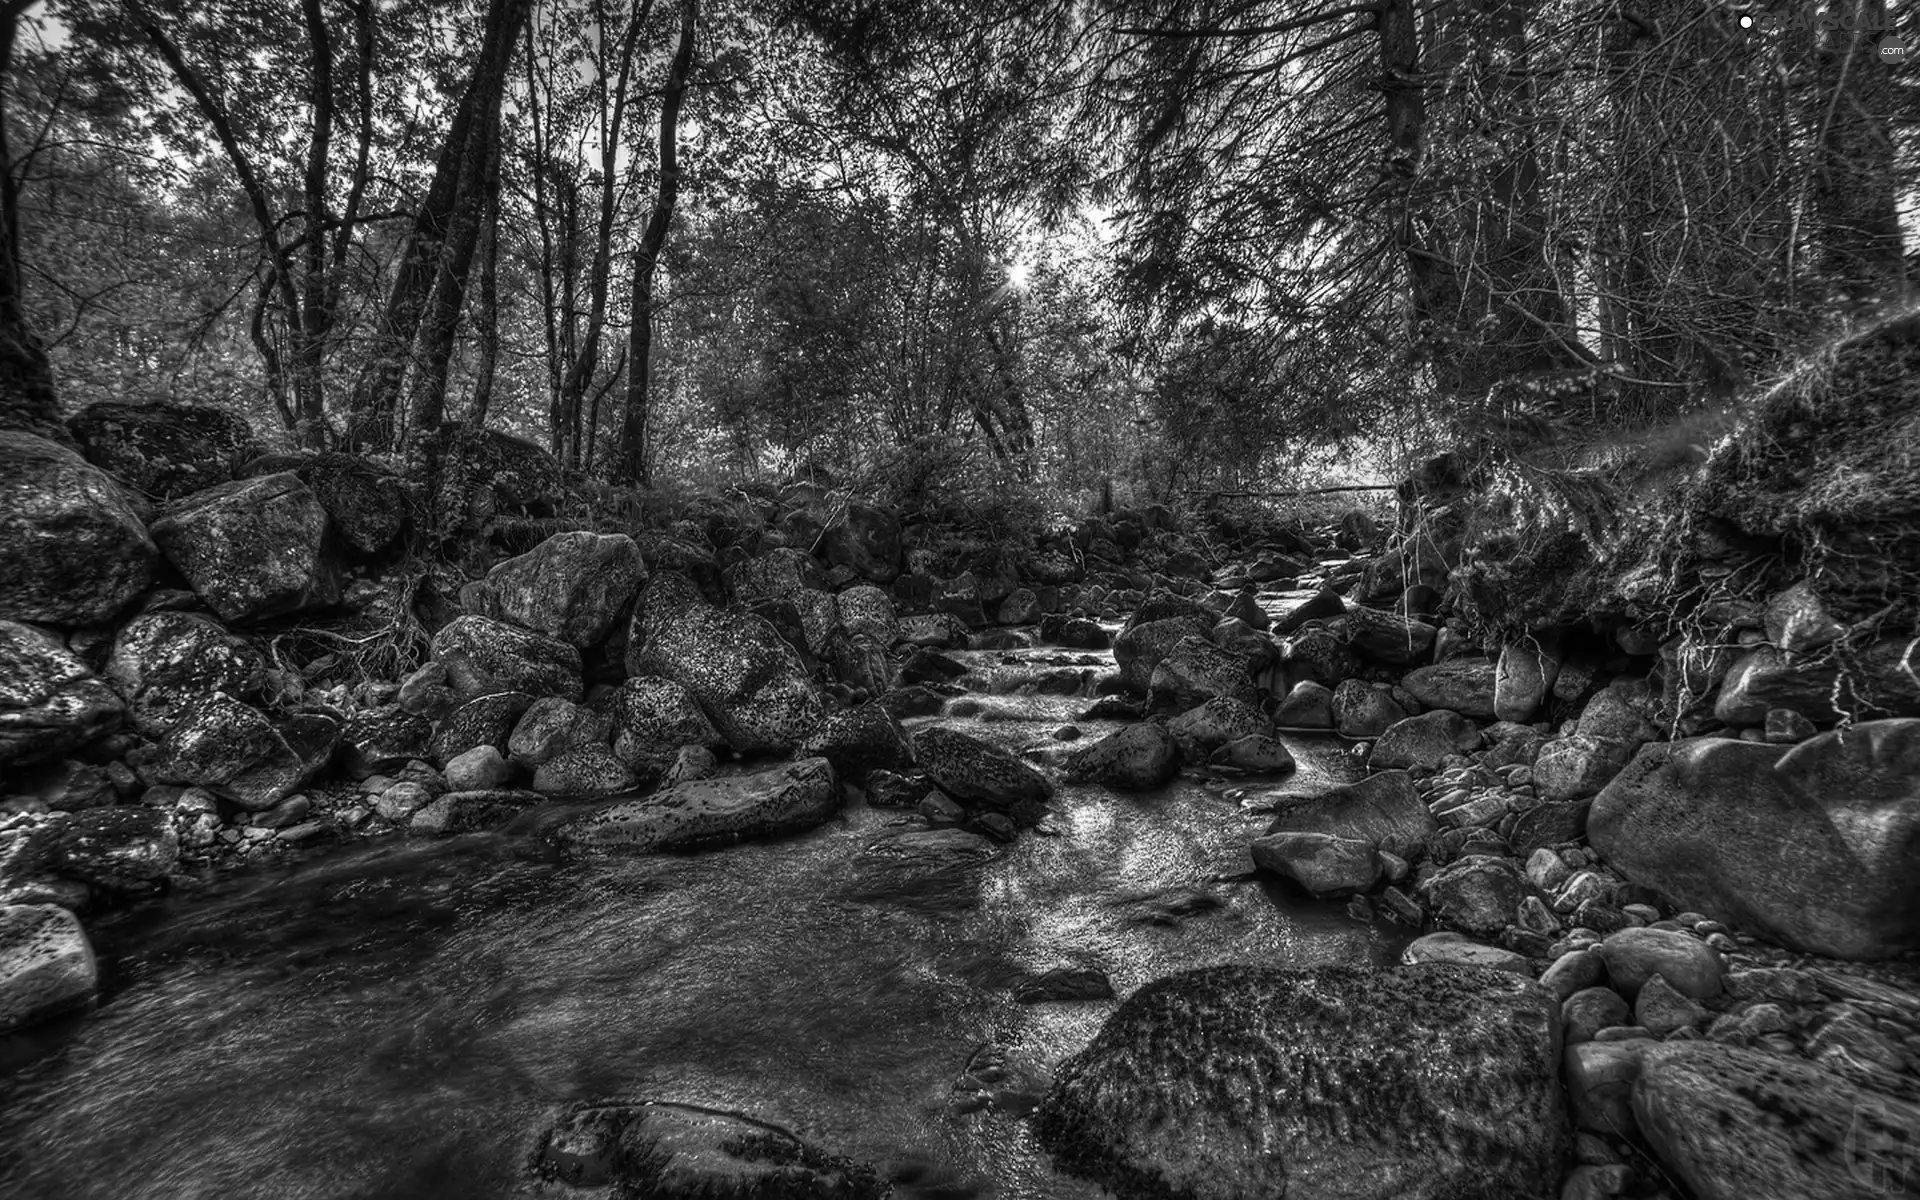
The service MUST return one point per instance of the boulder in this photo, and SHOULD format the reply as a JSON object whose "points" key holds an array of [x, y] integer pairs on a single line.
{"points": [[1382, 809], [1421, 743], [786, 799], [583, 771], [1690, 966], [1524, 677], [1139, 649], [866, 611], [463, 812], [572, 587], [1258, 752], [50, 702], [969, 769], [46, 965], [1195, 671], [866, 539], [252, 549], [1323, 605], [379, 740], [779, 574], [548, 727], [1449, 947], [1479, 894], [484, 656], [670, 1151], [652, 714], [858, 741], [119, 849], [164, 450], [233, 749], [164, 662], [1464, 685], [1364, 710], [1319, 654], [1735, 1124], [1215, 1085], [75, 551], [1321, 863], [1198, 732], [366, 505], [1136, 758], [1388, 638], [743, 674], [1881, 680], [1308, 705], [480, 769], [482, 721], [1816, 846], [1798, 620], [1578, 766], [1074, 632]]}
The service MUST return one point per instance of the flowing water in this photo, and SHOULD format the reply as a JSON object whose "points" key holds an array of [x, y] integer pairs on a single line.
{"points": [[399, 1018]]}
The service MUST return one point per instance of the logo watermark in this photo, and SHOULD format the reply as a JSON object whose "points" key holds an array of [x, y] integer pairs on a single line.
{"points": [[1815, 19], [1882, 1153]]}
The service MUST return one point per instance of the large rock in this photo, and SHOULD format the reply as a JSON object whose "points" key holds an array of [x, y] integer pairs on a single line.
{"points": [[1578, 766], [969, 769], [744, 675], [859, 740], [119, 848], [786, 799], [46, 964], [1735, 1124], [1688, 964], [1882, 680], [1525, 677], [1421, 743], [366, 505], [1364, 710], [483, 656], [1798, 620], [1817, 846], [1308, 705], [867, 612], [1195, 671], [1198, 732], [779, 574], [165, 450], [1382, 809], [231, 748], [866, 539], [482, 721], [1389, 638], [572, 587], [1137, 758], [1465, 685], [164, 662], [652, 715], [252, 549], [670, 1151], [1333, 1084], [1319, 862], [1479, 894], [75, 551], [1140, 647], [49, 701]]}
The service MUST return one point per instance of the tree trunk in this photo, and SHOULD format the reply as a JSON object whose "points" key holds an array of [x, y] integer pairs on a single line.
{"points": [[27, 399], [489, 317], [632, 467], [1854, 185]]}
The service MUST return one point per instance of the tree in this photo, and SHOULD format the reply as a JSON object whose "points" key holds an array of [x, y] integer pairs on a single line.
{"points": [[27, 399]]}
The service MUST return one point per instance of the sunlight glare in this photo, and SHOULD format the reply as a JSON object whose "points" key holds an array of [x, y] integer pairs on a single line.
{"points": [[1019, 274]]}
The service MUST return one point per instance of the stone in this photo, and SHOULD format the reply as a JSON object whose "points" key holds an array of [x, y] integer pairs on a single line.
{"points": [[584, 771], [1064, 984], [670, 1151], [164, 450], [1139, 649], [1785, 727], [1736, 1124], [1599, 1076], [1021, 607], [1576, 767], [572, 587], [1388, 637], [1307, 705], [482, 721], [1321, 863], [1879, 681], [120, 849], [1364, 710], [1198, 732], [50, 702], [484, 656], [970, 769], [1817, 846], [1524, 677], [163, 662], [1138, 757], [1660, 1009], [1195, 671], [1689, 965], [366, 504], [548, 727], [786, 799], [1261, 753], [1797, 620], [1612, 716], [1320, 654], [865, 538], [1571, 972], [1422, 743], [463, 812], [1324, 605], [399, 802], [1551, 823], [1383, 810], [858, 741], [652, 714], [865, 611], [1547, 871], [76, 552], [425, 693], [1477, 895], [1077, 633], [252, 549], [47, 965], [779, 574], [1447, 947], [1464, 685], [1210, 1085], [744, 676], [374, 740], [477, 770], [233, 750]]}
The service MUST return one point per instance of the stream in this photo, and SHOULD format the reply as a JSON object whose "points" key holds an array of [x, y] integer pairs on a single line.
{"points": [[399, 1017]]}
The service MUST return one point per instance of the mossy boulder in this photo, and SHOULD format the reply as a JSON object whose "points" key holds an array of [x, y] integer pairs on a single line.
{"points": [[76, 552]]}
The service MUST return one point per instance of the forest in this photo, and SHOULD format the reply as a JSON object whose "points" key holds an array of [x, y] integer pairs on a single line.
{"points": [[920, 600]]}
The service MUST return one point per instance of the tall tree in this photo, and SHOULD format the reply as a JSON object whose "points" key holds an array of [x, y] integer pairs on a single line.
{"points": [[27, 399]]}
